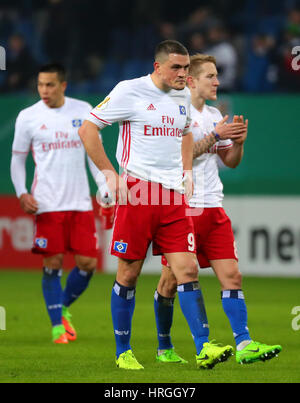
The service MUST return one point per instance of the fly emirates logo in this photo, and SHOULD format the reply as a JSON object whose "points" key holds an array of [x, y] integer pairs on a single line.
{"points": [[164, 130], [61, 142]]}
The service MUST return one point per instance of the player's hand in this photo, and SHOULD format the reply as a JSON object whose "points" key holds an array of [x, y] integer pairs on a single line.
{"points": [[240, 119], [118, 188], [104, 197], [28, 203], [188, 184], [233, 131]]}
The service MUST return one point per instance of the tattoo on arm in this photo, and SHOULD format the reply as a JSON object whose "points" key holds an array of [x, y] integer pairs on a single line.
{"points": [[202, 146]]}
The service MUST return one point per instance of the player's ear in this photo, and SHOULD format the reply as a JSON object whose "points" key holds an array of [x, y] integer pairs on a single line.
{"points": [[64, 85], [190, 82], [156, 66]]}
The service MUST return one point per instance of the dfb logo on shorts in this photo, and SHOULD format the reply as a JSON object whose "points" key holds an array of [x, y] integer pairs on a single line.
{"points": [[77, 123], [120, 247], [182, 110], [41, 243]]}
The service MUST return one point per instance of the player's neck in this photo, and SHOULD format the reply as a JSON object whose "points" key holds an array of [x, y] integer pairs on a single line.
{"points": [[60, 103], [159, 84], [198, 103]]}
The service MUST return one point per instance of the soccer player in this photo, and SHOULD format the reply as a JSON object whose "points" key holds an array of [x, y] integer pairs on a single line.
{"points": [[155, 150], [60, 196], [215, 242]]}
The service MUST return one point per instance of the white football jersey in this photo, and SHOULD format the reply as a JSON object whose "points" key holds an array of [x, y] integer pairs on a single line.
{"points": [[152, 124], [208, 188], [60, 180]]}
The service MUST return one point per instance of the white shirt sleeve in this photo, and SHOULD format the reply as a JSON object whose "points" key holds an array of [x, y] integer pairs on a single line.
{"points": [[20, 149], [18, 172], [116, 107], [187, 128], [22, 138]]}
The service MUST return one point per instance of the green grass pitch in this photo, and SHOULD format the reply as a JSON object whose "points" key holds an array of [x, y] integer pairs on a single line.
{"points": [[27, 354]]}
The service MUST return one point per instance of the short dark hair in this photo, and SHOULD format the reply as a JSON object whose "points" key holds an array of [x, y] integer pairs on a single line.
{"points": [[165, 48], [55, 68]]}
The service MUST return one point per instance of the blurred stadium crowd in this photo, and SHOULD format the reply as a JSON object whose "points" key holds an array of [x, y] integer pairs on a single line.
{"points": [[102, 43]]}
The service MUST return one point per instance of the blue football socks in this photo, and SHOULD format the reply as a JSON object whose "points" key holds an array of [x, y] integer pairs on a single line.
{"points": [[122, 308], [77, 282], [163, 308], [192, 305], [235, 308], [52, 291]]}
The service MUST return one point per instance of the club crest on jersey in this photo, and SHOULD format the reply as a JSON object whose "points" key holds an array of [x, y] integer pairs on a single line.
{"points": [[77, 123], [41, 243], [104, 104], [182, 110], [120, 247]]}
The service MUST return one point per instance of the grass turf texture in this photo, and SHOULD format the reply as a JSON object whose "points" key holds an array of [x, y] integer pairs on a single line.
{"points": [[27, 354]]}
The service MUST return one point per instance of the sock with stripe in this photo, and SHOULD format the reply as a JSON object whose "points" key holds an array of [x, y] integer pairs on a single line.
{"points": [[192, 305], [234, 306], [122, 308], [77, 282], [52, 292], [163, 308]]}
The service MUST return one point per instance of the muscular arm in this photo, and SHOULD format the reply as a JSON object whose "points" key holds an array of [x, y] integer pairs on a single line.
{"points": [[89, 135], [232, 157], [90, 138], [202, 146], [18, 177], [234, 131], [18, 173], [187, 151], [187, 159]]}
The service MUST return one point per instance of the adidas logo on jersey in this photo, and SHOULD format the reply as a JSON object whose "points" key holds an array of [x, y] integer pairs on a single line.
{"points": [[151, 108], [43, 127]]}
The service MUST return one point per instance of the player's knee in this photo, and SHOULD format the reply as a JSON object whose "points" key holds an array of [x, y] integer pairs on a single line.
{"points": [[88, 264], [171, 287], [168, 285], [129, 278], [190, 271], [234, 278], [128, 275], [54, 262], [128, 272]]}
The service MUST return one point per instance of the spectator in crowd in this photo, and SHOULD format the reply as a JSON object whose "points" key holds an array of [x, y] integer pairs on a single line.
{"points": [[7, 19], [222, 49], [69, 31], [196, 43], [20, 65], [200, 20], [293, 22], [258, 75]]}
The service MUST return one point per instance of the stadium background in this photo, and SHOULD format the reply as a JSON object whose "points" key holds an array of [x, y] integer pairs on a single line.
{"points": [[100, 46]]}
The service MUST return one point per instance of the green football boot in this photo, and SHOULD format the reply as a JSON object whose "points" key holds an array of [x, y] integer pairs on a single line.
{"points": [[212, 354], [66, 320], [59, 335], [257, 352], [128, 361], [170, 356]]}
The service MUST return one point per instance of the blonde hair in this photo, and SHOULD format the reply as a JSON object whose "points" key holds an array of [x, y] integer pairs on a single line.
{"points": [[197, 62]]}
